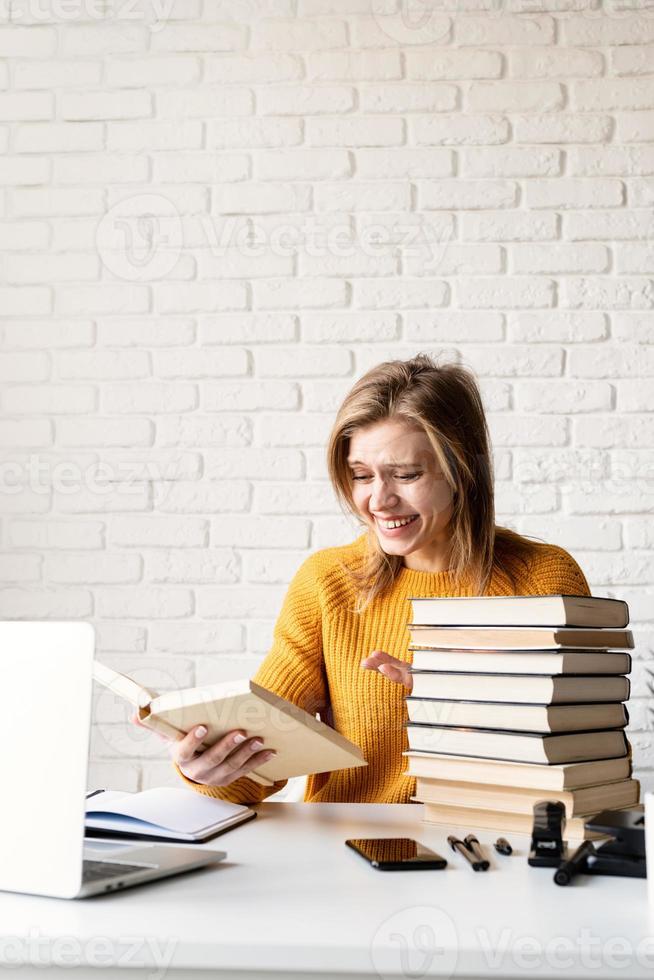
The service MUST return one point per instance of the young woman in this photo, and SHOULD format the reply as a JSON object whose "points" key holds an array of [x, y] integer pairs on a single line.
{"points": [[409, 455]]}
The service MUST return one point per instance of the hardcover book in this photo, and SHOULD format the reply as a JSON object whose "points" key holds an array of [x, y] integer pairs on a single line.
{"points": [[518, 746], [472, 769], [589, 800], [518, 638], [520, 610], [503, 822], [520, 688], [517, 717], [521, 661], [304, 745]]}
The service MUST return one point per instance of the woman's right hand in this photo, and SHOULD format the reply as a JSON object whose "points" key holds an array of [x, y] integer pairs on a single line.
{"points": [[232, 756], [396, 670]]}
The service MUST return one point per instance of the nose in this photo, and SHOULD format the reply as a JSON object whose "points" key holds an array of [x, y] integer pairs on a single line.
{"points": [[381, 496]]}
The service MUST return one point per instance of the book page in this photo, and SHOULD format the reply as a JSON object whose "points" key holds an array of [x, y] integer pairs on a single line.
{"points": [[124, 686]]}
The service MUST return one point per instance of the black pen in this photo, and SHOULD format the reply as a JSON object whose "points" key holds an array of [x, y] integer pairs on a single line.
{"points": [[473, 845], [568, 869], [458, 845]]}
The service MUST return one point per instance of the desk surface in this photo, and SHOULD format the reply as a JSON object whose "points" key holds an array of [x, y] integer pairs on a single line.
{"points": [[291, 897]]}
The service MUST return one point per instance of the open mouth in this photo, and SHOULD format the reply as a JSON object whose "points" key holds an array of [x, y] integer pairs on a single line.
{"points": [[397, 523]]}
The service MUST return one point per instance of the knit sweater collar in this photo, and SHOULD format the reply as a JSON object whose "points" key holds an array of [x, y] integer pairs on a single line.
{"points": [[411, 582], [417, 583]]}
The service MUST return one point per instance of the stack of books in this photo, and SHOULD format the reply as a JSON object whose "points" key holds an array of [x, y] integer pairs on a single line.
{"points": [[517, 699]]}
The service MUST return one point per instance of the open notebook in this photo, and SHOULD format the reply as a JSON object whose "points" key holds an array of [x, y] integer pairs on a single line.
{"points": [[165, 813]]}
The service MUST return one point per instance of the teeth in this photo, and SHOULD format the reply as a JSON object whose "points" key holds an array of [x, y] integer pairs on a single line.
{"points": [[389, 525]]}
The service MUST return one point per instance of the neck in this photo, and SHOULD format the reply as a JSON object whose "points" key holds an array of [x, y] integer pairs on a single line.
{"points": [[435, 558]]}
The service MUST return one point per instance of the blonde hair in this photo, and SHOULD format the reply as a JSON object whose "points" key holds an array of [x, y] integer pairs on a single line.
{"points": [[445, 402]]}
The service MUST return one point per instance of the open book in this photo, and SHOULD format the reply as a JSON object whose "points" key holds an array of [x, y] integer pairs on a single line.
{"points": [[303, 744]]}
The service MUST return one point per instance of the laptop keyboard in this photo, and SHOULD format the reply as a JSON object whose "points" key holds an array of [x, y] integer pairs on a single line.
{"points": [[95, 870]]}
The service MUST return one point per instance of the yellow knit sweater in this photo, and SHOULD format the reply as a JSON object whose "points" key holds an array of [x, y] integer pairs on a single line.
{"points": [[317, 650]]}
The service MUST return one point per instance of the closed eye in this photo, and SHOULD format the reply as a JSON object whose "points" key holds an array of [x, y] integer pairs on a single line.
{"points": [[403, 476]]}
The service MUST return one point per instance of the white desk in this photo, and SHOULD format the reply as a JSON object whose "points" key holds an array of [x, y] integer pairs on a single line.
{"points": [[292, 899]]}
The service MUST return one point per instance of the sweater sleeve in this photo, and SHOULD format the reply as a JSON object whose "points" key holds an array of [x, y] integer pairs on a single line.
{"points": [[293, 669], [555, 572]]}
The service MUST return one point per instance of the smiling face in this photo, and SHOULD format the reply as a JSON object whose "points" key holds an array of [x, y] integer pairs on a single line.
{"points": [[401, 492]]}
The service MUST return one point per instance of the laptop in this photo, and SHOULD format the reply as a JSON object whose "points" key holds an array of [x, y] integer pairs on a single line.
{"points": [[45, 719]]}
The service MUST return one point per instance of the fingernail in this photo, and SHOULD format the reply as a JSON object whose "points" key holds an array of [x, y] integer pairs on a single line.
{"points": [[200, 731], [257, 744], [269, 755], [239, 738]]}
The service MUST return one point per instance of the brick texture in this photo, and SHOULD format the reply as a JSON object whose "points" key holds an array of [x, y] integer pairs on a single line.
{"points": [[210, 226]]}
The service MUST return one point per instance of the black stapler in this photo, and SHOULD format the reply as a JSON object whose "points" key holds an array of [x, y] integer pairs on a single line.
{"points": [[624, 854]]}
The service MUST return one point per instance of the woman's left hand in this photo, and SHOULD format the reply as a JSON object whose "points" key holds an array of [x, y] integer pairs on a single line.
{"points": [[396, 670]]}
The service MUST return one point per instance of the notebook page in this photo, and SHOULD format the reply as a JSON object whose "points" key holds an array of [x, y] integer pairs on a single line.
{"points": [[177, 810]]}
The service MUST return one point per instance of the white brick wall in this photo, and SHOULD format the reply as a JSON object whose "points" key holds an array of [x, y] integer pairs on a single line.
{"points": [[212, 221]]}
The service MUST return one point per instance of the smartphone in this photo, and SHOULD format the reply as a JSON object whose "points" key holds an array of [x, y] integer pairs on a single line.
{"points": [[396, 854]]}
